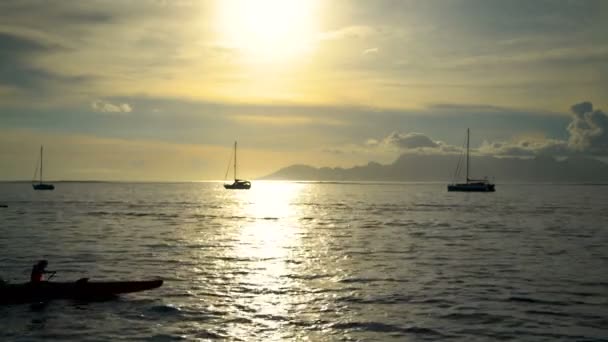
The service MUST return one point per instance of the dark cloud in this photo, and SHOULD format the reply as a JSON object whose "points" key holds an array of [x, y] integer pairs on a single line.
{"points": [[86, 17], [588, 129], [524, 148], [416, 143], [587, 135], [474, 108], [18, 70]]}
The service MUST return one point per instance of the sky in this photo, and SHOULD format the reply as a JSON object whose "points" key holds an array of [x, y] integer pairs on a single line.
{"points": [[160, 90]]}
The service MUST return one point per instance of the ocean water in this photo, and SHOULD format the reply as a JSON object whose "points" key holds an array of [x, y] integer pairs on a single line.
{"points": [[317, 262]]}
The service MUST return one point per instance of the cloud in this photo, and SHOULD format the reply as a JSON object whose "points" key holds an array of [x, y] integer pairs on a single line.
{"points": [[412, 143], [577, 54], [524, 148], [107, 107], [287, 120], [410, 140], [16, 53], [355, 31], [371, 51], [23, 77], [588, 130], [588, 135]]}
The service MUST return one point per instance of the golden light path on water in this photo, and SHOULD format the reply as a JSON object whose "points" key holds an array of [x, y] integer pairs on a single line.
{"points": [[266, 239]]}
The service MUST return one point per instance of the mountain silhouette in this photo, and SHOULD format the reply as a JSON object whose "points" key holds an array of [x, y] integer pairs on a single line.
{"points": [[414, 168]]}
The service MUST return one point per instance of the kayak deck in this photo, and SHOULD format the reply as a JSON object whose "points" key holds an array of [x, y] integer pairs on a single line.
{"points": [[81, 289]]}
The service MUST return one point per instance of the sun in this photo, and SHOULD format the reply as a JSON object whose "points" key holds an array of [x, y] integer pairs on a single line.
{"points": [[268, 30]]}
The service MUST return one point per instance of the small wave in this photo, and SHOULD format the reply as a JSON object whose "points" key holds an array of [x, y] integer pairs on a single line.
{"points": [[209, 335], [131, 214], [167, 337], [383, 327], [204, 216], [371, 280], [240, 320], [159, 245], [547, 313], [477, 317], [535, 301], [269, 317], [234, 259], [307, 277], [595, 283], [165, 309], [378, 300]]}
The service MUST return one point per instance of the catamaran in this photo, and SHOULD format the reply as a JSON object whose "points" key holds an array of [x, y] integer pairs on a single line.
{"points": [[471, 185], [238, 184], [40, 185]]}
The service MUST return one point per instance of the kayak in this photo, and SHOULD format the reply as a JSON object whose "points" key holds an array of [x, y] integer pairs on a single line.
{"points": [[82, 289]]}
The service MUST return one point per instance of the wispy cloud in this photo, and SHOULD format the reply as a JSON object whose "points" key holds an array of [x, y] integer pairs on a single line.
{"points": [[371, 51], [287, 120], [355, 31]]}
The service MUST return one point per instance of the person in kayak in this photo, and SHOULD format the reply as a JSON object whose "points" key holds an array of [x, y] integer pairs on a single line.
{"points": [[38, 271]]}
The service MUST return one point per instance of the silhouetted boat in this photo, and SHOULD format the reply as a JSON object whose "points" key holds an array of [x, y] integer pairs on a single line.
{"points": [[40, 185], [82, 289], [471, 185], [238, 184]]}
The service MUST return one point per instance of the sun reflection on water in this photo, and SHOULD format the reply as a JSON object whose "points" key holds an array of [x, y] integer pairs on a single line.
{"points": [[267, 240]]}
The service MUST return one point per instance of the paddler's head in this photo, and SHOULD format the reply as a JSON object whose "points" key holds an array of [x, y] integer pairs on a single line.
{"points": [[43, 263]]}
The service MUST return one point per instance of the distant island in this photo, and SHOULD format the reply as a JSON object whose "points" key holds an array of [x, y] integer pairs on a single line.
{"points": [[429, 168]]}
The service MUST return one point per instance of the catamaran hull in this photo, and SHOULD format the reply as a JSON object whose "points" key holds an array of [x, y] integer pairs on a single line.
{"points": [[81, 290], [471, 187]]}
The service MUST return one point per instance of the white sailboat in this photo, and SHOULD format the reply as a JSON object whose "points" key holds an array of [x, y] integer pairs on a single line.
{"points": [[238, 184], [40, 185], [471, 185]]}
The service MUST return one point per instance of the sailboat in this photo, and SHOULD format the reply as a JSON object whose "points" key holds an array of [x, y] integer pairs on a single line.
{"points": [[471, 185], [40, 185], [238, 184]]}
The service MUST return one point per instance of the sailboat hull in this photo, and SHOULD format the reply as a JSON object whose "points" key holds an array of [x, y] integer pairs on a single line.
{"points": [[472, 187], [238, 185], [43, 186]]}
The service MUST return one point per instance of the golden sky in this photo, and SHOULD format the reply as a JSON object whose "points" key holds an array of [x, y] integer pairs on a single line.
{"points": [[295, 81]]}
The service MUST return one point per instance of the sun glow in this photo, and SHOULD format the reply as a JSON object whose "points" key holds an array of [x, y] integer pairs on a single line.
{"points": [[268, 30]]}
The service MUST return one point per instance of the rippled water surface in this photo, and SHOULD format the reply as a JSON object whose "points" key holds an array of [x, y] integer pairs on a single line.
{"points": [[296, 261]]}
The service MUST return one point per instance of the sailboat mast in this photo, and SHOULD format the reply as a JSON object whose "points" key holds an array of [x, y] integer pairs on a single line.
{"points": [[41, 163], [468, 154], [235, 160]]}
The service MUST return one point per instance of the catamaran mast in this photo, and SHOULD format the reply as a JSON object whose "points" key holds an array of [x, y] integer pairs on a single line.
{"points": [[467, 155], [41, 163], [235, 160]]}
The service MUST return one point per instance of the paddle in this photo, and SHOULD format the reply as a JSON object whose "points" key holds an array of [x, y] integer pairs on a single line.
{"points": [[52, 273]]}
